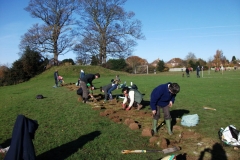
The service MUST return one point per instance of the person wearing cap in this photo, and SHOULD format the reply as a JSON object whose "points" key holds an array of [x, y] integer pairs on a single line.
{"points": [[162, 98], [88, 78], [133, 96]]}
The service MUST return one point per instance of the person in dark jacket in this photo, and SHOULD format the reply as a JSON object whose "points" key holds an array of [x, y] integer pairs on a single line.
{"points": [[21, 146], [133, 96], [187, 72], [56, 78], [198, 70], [162, 97], [88, 78]]}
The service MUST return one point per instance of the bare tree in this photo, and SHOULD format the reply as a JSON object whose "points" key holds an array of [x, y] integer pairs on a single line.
{"points": [[190, 56], [108, 29], [54, 35]]}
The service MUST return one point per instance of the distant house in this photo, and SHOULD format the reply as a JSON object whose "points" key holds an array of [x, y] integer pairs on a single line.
{"points": [[174, 62], [155, 63]]}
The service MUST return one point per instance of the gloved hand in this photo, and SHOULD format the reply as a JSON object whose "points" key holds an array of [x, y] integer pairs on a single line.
{"points": [[128, 108], [124, 106]]}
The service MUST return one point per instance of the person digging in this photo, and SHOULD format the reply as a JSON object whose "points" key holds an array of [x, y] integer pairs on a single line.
{"points": [[83, 83], [163, 97], [90, 93], [133, 96]]}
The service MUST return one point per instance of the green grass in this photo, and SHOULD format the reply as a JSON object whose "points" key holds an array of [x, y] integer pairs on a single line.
{"points": [[72, 130]]}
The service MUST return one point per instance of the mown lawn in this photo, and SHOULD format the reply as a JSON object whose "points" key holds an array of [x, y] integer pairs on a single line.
{"points": [[69, 129]]}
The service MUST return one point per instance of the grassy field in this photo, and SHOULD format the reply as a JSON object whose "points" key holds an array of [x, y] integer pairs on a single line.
{"points": [[69, 129]]}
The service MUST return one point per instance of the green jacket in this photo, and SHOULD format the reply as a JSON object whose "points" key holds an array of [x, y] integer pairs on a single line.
{"points": [[137, 96]]}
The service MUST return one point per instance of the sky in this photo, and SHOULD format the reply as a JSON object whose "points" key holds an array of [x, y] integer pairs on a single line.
{"points": [[173, 28]]}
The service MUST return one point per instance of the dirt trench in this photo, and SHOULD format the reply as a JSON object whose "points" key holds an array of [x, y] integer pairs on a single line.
{"points": [[193, 145]]}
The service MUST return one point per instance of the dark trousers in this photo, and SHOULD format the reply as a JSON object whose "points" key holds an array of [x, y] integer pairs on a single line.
{"points": [[84, 89], [56, 82], [165, 111]]}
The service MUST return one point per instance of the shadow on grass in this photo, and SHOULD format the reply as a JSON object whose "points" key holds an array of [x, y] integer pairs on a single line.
{"points": [[64, 151], [145, 103], [177, 114], [217, 152]]}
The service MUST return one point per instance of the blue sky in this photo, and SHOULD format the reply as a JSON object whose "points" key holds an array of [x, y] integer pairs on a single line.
{"points": [[172, 28]]}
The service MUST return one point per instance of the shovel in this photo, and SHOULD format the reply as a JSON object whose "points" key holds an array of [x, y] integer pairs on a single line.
{"points": [[165, 151]]}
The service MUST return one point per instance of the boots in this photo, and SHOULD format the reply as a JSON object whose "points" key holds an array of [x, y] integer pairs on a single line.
{"points": [[154, 127], [168, 125]]}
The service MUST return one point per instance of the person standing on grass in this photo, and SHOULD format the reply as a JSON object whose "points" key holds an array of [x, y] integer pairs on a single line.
{"points": [[56, 78], [88, 78], [187, 72], [163, 97], [198, 70], [133, 96]]}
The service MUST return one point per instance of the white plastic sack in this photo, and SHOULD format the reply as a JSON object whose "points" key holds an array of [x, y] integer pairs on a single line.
{"points": [[190, 120], [227, 136]]}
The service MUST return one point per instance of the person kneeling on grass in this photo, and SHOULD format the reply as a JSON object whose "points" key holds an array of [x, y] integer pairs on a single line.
{"points": [[162, 97], [133, 97], [60, 80]]}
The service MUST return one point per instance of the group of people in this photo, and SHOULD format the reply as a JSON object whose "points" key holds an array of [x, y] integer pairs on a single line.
{"points": [[161, 99], [197, 71]]}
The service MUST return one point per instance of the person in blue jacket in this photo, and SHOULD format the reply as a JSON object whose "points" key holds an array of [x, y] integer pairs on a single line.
{"points": [[163, 97]]}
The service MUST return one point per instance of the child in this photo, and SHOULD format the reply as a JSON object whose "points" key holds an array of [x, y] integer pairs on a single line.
{"points": [[60, 79]]}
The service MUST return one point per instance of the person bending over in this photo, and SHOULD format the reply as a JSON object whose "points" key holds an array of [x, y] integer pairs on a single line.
{"points": [[88, 78], [163, 97], [133, 97]]}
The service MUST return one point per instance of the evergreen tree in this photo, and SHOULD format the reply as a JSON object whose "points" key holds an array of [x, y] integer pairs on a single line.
{"points": [[161, 66], [116, 64]]}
